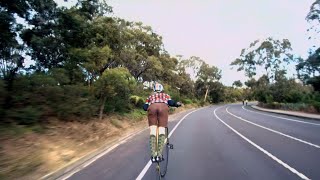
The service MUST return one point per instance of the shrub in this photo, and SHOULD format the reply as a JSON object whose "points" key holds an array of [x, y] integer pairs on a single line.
{"points": [[187, 101], [2, 97], [25, 116], [113, 90], [136, 101], [316, 105], [202, 103], [269, 98]]}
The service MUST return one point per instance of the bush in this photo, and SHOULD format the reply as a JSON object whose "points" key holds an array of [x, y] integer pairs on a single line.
{"points": [[316, 105], [136, 115], [25, 116], [2, 97], [202, 103], [113, 90], [137, 101], [269, 99], [187, 101]]}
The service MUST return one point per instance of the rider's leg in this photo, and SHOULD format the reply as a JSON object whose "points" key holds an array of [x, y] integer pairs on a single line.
{"points": [[153, 140], [163, 123], [152, 119]]}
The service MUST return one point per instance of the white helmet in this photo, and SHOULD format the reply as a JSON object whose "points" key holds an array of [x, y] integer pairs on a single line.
{"points": [[157, 87]]}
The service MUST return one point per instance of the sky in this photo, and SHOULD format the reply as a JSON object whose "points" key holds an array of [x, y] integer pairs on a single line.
{"points": [[217, 30]]}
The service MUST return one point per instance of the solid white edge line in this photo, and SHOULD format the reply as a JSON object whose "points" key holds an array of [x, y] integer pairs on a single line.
{"points": [[302, 176], [145, 169], [274, 131], [71, 173], [287, 119]]}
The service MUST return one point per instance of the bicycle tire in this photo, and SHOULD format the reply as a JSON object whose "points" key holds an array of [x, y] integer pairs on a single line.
{"points": [[165, 153], [158, 169]]}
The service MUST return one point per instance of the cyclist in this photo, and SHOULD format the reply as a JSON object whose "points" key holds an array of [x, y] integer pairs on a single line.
{"points": [[157, 106]]}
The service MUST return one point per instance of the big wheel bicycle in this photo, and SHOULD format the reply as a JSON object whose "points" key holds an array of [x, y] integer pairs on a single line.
{"points": [[162, 164]]}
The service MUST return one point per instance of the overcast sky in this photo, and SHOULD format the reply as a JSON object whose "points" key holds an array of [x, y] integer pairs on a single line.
{"points": [[217, 30]]}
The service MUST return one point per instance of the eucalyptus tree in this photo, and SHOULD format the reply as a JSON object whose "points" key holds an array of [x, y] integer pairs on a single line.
{"points": [[270, 55], [237, 83], [141, 50], [309, 69], [208, 74]]}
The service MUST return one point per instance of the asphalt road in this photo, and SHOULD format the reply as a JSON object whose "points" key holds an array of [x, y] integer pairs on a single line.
{"points": [[220, 142]]}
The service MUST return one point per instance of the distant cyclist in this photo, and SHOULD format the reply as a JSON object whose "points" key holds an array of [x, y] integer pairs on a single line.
{"points": [[157, 106]]}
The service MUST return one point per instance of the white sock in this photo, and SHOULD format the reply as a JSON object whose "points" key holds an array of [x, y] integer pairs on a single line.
{"points": [[162, 130], [153, 130]]}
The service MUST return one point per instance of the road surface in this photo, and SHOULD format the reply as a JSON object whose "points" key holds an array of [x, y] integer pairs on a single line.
{"points": [[220, 142]]}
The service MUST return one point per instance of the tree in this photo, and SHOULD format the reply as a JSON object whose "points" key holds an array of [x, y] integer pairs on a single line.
{"points": [[271, 55], [208, 74], [11, 50], [112, 83], [191, 65], [141, 50], [217, 91], [314, 16], [237, 83], [93, 60], [309, 69], [251, 83]]}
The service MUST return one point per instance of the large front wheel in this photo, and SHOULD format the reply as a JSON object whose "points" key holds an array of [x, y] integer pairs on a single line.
{"points": [[165, 155]]}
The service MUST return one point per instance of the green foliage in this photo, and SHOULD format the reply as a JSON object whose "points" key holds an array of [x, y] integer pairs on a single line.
{"points": [[187, 101], [270, 54], [268, 98], [202, 103], [237, 83], [75, 101], [25, 116], [136, 114], [86, 64], [3, 94], [216, 93], [43, 92], [173, 92], [137, 101], [233, 94], [316, 105], [112, 90], [310, 107]]}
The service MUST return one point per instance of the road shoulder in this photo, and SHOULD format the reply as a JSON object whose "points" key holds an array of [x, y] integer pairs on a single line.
{"points": [[92, 156]]}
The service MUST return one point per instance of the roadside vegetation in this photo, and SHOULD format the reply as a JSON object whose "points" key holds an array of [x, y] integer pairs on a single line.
{"points": [[72, 79], [275, 87]]}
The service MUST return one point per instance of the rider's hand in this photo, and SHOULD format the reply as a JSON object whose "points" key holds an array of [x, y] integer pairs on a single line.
{"points": [[179, 104]]}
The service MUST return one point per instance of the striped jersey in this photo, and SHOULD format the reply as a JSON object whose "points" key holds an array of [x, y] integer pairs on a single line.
{"points": [[158, 98]]}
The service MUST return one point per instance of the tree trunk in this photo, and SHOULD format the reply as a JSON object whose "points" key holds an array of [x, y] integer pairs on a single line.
{"points": [[205, 96], [102, 108]]}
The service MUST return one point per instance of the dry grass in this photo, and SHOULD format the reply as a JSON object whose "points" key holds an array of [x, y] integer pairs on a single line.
{"points": [[32, 155]]}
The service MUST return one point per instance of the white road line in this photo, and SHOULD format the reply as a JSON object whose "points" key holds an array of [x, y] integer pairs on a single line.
{"points": [[302, 176], [145, 169], [68, 175], [274, 131], [287, 119]]}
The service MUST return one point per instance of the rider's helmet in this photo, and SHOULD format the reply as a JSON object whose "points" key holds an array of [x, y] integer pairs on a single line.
{"points": [[157, 87]]}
